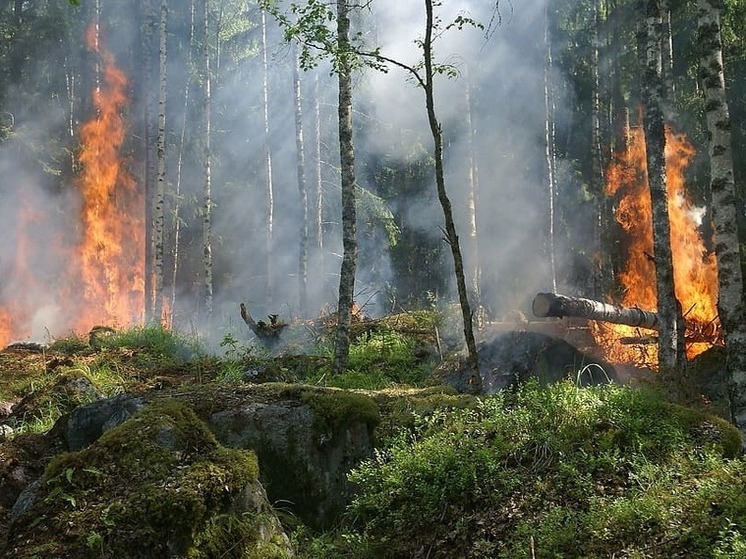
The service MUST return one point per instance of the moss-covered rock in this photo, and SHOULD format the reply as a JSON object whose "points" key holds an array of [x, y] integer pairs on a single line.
{"points": [[159, 485], [307, 440]]}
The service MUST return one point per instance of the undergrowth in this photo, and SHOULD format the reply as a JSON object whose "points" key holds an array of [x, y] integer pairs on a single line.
{"points": [[551, 472]]}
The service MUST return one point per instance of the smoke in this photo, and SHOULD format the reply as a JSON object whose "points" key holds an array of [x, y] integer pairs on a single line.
{"points": [[504, 74]]}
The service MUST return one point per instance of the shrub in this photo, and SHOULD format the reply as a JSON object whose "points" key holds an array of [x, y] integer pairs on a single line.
{"points": [[558, 472]]}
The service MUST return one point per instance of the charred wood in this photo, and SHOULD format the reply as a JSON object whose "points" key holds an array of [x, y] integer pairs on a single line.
{"points": [[267, 332], [560, 306]]}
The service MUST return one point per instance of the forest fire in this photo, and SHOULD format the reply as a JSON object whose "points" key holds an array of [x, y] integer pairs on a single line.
{"points": [[99, 274], [111, 254], [695, 269]]}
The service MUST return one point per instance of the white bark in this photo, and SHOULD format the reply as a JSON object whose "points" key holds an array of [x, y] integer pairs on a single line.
{"points": [[160, 191], [730, 280]]}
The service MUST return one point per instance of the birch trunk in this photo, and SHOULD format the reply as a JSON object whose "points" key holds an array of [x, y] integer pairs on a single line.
{"points": [[722, 186], [160, 191], [670, 343], [207, 162], [176, 249], [318, 205], [270, 208], [151, 134], [472, 182], [597, 166], [549, 150], [669, 86], [302, 191], [349, 210], [445, 202]]}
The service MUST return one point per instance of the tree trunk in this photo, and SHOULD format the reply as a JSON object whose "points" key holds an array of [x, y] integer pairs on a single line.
{"points": [[560, 306], [670, 344], [472, 184], [176, 249], [302, 191], [318, 204], [207, 162], [445, 202], [549, 141], [722, 186], [669, 86], [160, 191], [597, 166], [270, 208], [349, 210], [151, 134]]}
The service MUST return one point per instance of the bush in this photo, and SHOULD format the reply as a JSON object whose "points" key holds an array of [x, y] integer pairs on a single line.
{"points": [[558, 472]]}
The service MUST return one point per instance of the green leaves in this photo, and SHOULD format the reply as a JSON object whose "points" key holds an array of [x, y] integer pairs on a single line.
{"points": [[74, 2]]}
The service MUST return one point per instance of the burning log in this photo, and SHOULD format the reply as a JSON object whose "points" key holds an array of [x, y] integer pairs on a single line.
{"points": [[554, 304], [270, 332]]}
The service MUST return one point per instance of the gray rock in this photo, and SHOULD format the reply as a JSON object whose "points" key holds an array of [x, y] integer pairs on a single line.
{"points": [[301, 465], [86, 424]]}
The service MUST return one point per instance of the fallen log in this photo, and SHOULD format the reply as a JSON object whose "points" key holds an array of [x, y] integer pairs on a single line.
{"points": [[560, 306]]}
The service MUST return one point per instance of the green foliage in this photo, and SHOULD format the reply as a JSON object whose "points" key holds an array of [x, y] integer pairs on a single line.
{"points": [[69, 345], [153, 343], [573, 472], [380, 358]]}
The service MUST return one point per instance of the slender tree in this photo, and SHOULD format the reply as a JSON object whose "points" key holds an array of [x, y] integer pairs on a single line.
{"points": [[176, 221], [472, 197], [160, 190], [302, 189], [207, 164], [670, 342], [549, 139], [345, 59], [722, 186], [150, 89], [269, 222], [597, 166]]}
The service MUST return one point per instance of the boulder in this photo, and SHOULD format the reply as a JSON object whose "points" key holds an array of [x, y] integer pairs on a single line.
{"points": [[158, 485], [307, 439], [515, 357]]}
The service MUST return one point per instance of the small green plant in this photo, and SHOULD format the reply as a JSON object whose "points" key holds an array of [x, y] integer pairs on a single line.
{"points": [[154, 343], [230, 371]]}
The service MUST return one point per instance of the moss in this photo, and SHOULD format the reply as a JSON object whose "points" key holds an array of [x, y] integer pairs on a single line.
{"points": [[146, 488], [709, 430], [400, 408], [336, 408]]}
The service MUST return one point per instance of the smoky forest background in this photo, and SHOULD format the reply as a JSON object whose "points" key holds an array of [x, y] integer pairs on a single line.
{"points": [[177, 158]]}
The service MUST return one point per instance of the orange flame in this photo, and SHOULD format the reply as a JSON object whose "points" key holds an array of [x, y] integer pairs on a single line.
{"points": [[695, 269], [110, 256], [102, 277]]}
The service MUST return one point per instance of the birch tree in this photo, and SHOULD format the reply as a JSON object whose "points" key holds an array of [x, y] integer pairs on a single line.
{"points": [[149, 84], [670, 340], [160, 191], [207, 162], [549, 149], [269, 222], [722, 186], [176, 248], [302, 189]]}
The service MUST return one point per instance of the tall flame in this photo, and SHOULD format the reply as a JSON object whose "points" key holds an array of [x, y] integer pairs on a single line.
{"points": [[98, 278], [695, 268], [110, 256]]}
